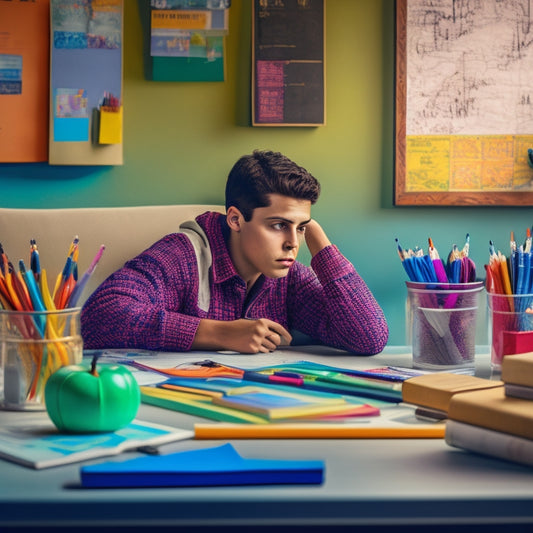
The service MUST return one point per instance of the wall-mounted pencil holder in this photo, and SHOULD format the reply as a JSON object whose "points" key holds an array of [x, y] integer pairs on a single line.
{"points": [[110, 125], [33, 345]]}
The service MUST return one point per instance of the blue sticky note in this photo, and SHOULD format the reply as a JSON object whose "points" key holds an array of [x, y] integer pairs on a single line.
{"points": [[71, 129]]}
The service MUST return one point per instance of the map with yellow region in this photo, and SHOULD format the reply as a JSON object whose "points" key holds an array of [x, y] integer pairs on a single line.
{"points": [[468, 163], [469, 105]]}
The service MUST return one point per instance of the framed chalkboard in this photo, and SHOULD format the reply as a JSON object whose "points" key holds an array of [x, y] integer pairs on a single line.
{"points": [[288, 63]]}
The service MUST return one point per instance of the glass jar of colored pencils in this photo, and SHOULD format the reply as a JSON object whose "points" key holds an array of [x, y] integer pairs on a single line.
{"points": [[33, 345]]}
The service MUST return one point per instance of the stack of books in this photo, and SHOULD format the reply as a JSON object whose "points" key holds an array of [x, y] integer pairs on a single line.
{"points": [[497, 421], [431, 393], [517, 374]]}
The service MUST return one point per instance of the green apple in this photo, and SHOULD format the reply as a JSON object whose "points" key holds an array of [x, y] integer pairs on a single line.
{"points": [[80, 399]]}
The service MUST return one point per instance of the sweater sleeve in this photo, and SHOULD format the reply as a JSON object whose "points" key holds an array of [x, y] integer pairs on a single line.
{"points": [[331, 303], [150, 303]]}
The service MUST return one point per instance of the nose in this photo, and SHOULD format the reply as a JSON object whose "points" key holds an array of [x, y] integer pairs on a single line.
{"points": [[292, 241]]}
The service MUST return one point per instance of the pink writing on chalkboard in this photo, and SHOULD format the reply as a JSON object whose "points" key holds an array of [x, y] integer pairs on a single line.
{"points": [[270, 91]]}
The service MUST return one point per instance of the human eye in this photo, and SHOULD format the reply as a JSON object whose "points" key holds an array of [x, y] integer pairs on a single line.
{"points": [[301, 229], [279, 226]]}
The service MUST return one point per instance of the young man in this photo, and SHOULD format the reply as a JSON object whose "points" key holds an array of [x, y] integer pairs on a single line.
{"points": [[232, 282]]}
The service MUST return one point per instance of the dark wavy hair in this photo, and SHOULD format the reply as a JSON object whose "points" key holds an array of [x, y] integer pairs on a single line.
{"points": [[255, 176]]}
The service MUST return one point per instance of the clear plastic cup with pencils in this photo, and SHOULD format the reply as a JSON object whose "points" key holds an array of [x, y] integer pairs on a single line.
{"points": [[39, 329], [442, 306], [33, 345], [444, 317]]}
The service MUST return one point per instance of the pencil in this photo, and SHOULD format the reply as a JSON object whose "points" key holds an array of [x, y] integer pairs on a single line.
{"points": [[316, 431], [80, 285]]}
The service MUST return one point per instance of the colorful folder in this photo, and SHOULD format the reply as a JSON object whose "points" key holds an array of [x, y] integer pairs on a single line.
{"points": [[221, 465]]}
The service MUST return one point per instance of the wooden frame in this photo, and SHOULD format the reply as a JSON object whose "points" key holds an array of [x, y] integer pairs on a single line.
{"points": [[288, 63], [462, 169]]}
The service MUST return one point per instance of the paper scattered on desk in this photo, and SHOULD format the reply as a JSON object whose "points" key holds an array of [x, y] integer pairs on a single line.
{"points": [[32, 440]]}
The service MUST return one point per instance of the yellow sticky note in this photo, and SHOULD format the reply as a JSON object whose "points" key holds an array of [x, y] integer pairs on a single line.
{"points": [[110, 127]]}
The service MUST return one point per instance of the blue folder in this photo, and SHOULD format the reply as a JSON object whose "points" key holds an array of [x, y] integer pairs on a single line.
{"points": [[221, 465]]}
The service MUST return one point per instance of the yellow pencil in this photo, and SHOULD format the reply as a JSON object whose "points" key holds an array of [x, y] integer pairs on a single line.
{"points": [[316, 431], [504, 274]]}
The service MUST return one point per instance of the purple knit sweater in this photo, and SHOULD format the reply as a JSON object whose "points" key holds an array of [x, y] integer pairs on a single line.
{"points": [[151, 302]]}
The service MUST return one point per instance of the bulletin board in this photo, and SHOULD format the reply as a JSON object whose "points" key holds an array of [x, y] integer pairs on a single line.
{"points": [[464, 106], [24, 81], [185, 39], [288, 63], [86, 82]]}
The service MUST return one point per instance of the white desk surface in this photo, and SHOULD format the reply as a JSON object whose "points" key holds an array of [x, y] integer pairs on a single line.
{"points": [[402, 482]]}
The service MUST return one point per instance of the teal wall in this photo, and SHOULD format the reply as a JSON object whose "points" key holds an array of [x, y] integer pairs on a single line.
{"points": [[181, 139]]}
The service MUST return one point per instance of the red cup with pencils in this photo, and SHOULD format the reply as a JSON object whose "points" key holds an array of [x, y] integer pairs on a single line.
{"points": [[510, 325], [33, 345]]}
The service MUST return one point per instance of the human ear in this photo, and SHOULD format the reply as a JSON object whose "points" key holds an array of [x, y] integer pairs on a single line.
{"points": [[234, 218]]}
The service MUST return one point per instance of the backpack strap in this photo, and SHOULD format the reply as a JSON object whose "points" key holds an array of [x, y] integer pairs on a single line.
{"points": [[204, 259]]}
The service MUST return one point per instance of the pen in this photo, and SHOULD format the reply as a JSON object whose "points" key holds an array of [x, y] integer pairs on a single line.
{"points": [[45, 291], [454, 265], [22, 291], [520, 266], [376, 374], [527, 244], [67, 289], [353, 389], [407, 265], [440, 272], [80, 285], [35, 296], [64, 283], [11, 283], [504, 273], [512, 261], [33, 290], [527, 273], [35, 263], [276, 379]]}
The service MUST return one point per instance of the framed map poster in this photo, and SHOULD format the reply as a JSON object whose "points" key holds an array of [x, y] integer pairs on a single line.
{"points": [[464, 103]]}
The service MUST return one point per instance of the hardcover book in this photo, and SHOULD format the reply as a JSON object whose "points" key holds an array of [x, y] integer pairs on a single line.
{"points": [[518, 369], [491, 408], [436, 390], [277, 406], [519, 391], [198, 406], [489, 442]]}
